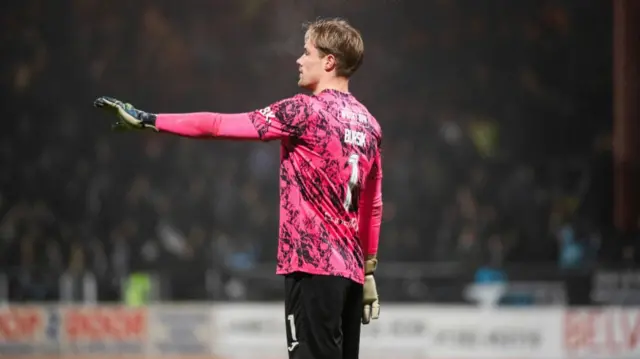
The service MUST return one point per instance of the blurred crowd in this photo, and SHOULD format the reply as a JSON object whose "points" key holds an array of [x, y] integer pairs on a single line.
{"points": [[496, 120]]}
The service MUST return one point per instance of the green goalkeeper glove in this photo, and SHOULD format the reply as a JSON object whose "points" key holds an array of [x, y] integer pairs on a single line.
{"points": [[129, 118], [370, 302]]}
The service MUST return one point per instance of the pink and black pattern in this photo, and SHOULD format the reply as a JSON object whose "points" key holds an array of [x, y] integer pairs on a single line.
{"points": [[326, 140]]}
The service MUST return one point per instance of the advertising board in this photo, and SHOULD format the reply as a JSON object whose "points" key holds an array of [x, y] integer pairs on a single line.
{"points": [[107, 330], [28, 330], [474, 333], [247, 330], [404, 331], [602, 333], [180, 330], [259, 330]]}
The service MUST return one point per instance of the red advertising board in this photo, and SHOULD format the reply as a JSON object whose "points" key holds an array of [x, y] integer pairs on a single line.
{"points": [[606, 333], [105, 324], [20, 324]]}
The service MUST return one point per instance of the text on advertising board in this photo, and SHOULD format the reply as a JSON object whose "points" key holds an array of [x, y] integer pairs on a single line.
{"points": [[602, 331], [105, 324], [19, 324], [180, 331], [494, 337]]}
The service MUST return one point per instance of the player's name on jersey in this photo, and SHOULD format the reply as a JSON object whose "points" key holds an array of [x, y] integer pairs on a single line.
{"points": [[355, 138]]}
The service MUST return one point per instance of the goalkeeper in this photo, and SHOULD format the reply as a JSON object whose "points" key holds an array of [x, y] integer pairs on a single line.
{"points": [[330, 189]]}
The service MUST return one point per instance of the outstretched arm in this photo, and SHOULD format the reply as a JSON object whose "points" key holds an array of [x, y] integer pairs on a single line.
{"points": [[285, 118], [237, 126]]}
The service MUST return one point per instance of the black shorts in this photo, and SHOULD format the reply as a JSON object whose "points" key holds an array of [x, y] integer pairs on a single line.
{"points": [[323, 316]]}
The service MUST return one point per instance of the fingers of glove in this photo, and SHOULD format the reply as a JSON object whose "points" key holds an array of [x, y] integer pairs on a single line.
{"points": [[370, 292], [99, 102], [105, 101], [375, 310], [366, 314]]}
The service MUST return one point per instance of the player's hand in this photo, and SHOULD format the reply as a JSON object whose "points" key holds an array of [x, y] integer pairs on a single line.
{"points": [[370, 300], [129, 117]]}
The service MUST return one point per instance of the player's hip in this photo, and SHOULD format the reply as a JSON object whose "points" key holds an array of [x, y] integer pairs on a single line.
{"points": [[286, 269]]}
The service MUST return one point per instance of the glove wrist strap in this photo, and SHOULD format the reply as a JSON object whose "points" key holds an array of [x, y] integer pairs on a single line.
{"points": [[370, 266], [147, 119]]}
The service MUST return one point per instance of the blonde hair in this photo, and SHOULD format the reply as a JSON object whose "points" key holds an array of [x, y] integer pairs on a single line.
{"points": [[338, 38]]}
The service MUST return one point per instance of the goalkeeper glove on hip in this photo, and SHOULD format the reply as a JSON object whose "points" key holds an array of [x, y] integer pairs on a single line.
{"points": [[129, 118], [370, 302]]}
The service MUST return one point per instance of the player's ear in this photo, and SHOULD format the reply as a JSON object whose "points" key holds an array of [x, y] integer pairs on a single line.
{"points": [[330, 62]]}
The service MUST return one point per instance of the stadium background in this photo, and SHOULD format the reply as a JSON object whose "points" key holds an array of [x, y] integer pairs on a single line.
{"points": [[511, 164]]}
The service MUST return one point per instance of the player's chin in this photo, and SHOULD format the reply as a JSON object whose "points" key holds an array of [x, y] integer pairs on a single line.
{"points": [[307, 85]]}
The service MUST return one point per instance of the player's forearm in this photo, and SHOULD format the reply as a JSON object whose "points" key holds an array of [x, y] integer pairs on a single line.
{"points": [[370, 222], [236, 126]]}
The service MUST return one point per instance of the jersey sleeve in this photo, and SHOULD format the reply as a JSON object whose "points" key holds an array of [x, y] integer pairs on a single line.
{"points": [[371, 210], [234, 126], [285, 118]]}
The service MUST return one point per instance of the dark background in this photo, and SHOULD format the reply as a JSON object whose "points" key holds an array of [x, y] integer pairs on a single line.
{"points": [[497, 119]]}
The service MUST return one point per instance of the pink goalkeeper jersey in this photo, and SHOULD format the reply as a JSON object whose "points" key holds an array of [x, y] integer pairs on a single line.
{"points": [[330, 176]]}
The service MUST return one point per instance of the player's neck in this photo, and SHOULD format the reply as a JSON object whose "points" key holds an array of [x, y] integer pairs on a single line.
{"points": [[338, 84]]}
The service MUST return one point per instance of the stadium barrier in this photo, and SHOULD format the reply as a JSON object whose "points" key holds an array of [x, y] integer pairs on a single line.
{"points": [[257, 330]]}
